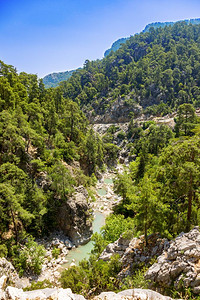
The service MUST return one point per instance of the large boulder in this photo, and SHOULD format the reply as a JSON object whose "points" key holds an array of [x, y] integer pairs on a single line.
{"points": [[74, 217], [132, 294], [179, 265], [13, 293], [7, 273]]}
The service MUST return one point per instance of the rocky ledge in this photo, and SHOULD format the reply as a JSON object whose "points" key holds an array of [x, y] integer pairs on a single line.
{"points": [[132, 294], [12, 293], [134, 251], [179, 265], [74, 217], [178, 261]]}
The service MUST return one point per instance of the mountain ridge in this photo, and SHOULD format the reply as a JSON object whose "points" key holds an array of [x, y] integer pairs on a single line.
{"points": [[53, 79], [116, 45]]}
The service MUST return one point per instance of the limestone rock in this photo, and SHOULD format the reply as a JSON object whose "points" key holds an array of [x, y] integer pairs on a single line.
{"points": [[118, 112], [13, 293], [7, 269], [179, 263], [132, 294], [74, 219], [133, 251], [2, 295], [3, 281]]}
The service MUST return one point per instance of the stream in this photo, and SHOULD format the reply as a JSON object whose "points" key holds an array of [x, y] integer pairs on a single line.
{"points": [[104, 193], [77, 254]]}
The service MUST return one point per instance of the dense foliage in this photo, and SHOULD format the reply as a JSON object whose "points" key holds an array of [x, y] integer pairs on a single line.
{"points": [[41, 133], [158, 67], [53, 79], [117, 44]]}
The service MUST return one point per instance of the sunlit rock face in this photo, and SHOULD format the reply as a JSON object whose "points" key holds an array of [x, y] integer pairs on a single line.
{"points": [[179, 264], [74, 218]]}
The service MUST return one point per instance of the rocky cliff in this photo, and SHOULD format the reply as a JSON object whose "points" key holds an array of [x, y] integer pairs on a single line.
{"points": [[178, 261], [119, 111], [74, 217], [134, 251], [179, 265]]}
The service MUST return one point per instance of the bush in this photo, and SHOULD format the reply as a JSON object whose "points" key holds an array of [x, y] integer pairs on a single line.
{"points": [[55, 252], [29, 258], [39, 285], [121, 135], [3, 251], [92, 277], [136, 281]]}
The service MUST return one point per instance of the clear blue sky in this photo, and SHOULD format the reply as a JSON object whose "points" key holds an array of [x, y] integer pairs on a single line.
{"points": [[45, 36]]}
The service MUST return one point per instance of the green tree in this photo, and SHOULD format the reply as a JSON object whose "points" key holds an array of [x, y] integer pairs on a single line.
{"points": [[12, 211], [179, 173], [185, 120], [149, 212]]}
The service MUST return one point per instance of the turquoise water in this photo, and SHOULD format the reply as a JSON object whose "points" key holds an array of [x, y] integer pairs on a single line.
{"points": [[102, 192], [108, 180], [83, 251]]}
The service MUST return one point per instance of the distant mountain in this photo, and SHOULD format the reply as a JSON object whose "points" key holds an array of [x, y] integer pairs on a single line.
{"points": [[53, 80], [116, 45], [163, 24]]}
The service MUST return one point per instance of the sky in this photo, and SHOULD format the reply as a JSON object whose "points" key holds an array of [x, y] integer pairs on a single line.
{"points": [[46, 36]]}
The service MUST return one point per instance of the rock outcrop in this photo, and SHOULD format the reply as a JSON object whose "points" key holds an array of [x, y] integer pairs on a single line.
{"points": [[12, 293], [7, 269], [134, 251], [120, 111], [132, 294], [74, 218], [179, 265]]}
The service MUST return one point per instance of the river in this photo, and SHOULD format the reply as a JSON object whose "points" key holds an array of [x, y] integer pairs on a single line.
{"points": [[101, 209]]}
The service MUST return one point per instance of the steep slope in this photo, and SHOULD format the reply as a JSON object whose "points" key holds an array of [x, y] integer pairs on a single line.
{"points": [[117, 44], [53, 80], [152, 73]]}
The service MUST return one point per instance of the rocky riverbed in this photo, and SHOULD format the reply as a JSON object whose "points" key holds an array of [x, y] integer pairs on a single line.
{"points": [[106, 198], [54, 264]]}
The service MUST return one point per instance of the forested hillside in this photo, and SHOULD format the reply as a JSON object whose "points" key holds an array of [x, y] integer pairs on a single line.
{"points": [[159, 68], [41, 134], [52, 80], [117, 44]]}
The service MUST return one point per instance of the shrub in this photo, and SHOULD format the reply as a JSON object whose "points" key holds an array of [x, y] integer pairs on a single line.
{"points": [[3, 251], [29, 258], [55, 252]]}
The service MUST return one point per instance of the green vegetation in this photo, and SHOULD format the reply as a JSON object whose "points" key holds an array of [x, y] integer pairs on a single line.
{"points": [[92, 276], [117, 44], [29, 258], [43, 132], [160, 193], [158, 67], [53, 80]]}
